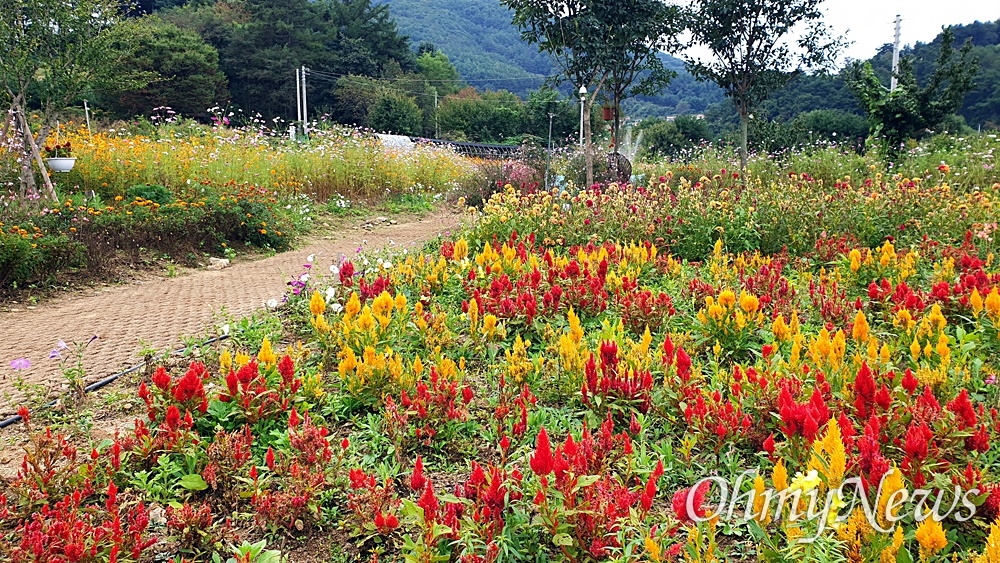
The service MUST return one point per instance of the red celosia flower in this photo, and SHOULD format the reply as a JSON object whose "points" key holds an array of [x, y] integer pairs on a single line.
{"points": [[962, 406], [541, 461], [286, 368], [417, 479], [910, 383], [22, 412], [467, 394], [173, 416], [429, 503], [269, 458], [769, 445], [344, 444], [687, 498], [161, 379], [293, 419]]}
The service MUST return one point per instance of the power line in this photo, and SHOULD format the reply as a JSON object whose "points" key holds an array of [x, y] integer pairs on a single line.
{"points": [[454, 81], [362, 81]]}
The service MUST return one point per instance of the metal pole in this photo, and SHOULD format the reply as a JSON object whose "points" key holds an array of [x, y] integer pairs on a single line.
{"points": [[86, 113], [437, 128], [582, 104], [305, 106], [548, 155], [298, 96], [895, 55]]}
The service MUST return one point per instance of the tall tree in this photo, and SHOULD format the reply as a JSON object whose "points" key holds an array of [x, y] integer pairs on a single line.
{"points": [[593, 42], [910, 111], [55, 51], [186, 70], [757, 47]]}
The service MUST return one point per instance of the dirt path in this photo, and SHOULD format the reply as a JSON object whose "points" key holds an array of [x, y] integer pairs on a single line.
{"points": [[158, 312]]}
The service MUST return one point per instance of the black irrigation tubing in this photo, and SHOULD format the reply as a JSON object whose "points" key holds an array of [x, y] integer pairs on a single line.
{"points": [[111, 379]]}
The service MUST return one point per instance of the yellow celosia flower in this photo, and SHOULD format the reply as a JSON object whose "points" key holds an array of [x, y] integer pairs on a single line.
{"points": [[915, 350], [992, 304], [860, 329], [317, 305], [893, 482], [936, 318], [889, 554], [225, 361], [473, 317], [991, 551], [489, 329], [749, 302], [400, 302], [242, 359], [855, 256], [930, 536], [418, 366], [266, 354], [461, 250], [653, 549], [976, 301], [353, 306], [726, 299], [759, 492], [829, 456], [780, 329], [779, 476]]}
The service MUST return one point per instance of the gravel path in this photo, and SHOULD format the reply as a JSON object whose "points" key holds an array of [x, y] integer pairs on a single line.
{"points": [[157, 312]]}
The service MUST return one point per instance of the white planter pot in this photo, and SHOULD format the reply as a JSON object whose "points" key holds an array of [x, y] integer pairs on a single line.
{"points": [[62, 164]]}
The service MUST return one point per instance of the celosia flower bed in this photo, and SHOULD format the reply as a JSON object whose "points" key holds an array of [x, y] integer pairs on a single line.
{"points": [[519, 398]]}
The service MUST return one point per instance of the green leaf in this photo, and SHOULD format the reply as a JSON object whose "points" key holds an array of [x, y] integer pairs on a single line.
{"points": [[193, 482], [563, 540], [587, 480]]}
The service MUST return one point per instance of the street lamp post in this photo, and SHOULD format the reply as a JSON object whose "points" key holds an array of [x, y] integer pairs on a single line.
{"points": [[583, 99]]}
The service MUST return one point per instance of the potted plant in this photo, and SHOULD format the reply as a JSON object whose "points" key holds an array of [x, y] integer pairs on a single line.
{"points": [[60, 157]]}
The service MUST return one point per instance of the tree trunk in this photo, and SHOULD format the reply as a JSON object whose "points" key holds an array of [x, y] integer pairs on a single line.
{"points": [[744, 119]]}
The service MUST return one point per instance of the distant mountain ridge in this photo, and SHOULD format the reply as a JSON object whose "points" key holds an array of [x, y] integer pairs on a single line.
{"points": [[487, 50]]}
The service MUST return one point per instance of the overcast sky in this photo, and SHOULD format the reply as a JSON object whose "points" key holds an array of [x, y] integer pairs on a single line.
{"points": [[869, 23]]}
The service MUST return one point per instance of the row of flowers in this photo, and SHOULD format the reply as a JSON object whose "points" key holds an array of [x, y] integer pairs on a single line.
{"points": [[585, 391]]}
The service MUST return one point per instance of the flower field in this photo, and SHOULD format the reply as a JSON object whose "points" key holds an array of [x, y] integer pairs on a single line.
{"points": [[180, 189], [691, 370]]}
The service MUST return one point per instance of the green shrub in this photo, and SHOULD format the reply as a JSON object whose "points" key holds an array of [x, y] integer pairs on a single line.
{"points": [[152, 192]]}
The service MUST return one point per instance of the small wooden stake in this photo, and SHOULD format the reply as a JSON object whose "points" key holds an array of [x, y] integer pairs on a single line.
{"points": [[37, 154]]}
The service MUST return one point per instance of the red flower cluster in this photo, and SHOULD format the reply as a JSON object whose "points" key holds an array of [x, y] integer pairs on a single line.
{"points": [[261, 395], [631, 387]]}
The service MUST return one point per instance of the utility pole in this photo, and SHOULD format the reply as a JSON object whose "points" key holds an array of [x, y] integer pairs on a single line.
{"points": [[548, 155], [298, 96], [895, 55], [305, 105], [437, 128]]}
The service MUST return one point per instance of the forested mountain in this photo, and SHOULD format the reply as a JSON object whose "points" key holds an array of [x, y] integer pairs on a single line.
{"points": [[478, 37], [486, 48]]}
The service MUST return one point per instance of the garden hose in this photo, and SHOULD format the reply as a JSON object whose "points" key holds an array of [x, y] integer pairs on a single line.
{"points": [[110, 379]]}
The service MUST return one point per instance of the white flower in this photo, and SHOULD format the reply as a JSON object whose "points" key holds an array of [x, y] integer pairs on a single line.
{"points": [[336, 307], [304, 278], [225, 328], [272, 303], [334, 269], [310, 258], [387, 264], [331, 292]]}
